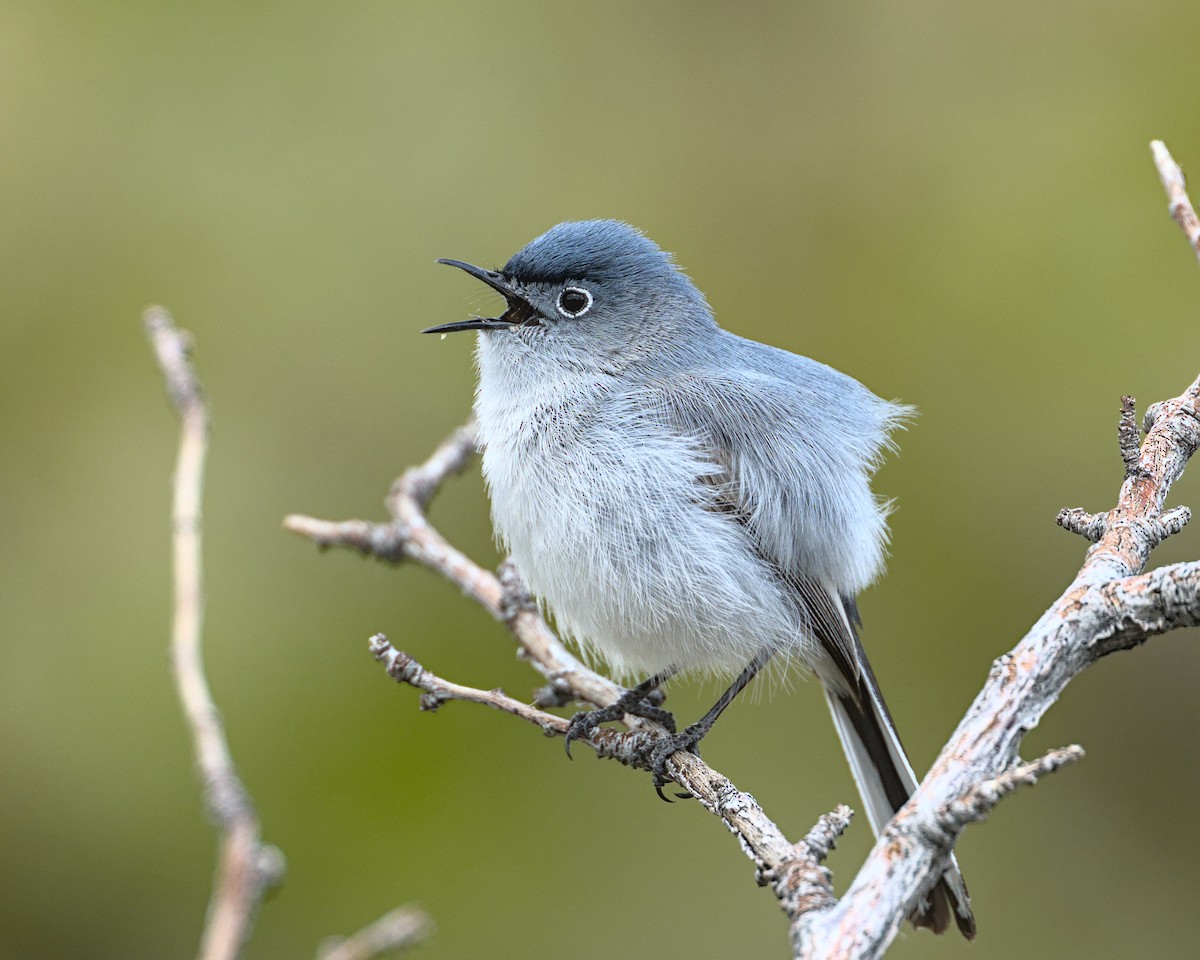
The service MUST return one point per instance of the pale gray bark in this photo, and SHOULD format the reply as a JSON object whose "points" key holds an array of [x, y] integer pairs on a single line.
{"points": [[246, 867]]}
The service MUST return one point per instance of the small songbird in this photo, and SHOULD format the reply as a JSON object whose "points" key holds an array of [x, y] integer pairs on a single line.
{"points": [[686, 500]]}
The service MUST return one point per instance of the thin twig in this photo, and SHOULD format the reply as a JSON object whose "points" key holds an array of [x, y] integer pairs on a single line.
{"points": [[803, 884], [979, 800], [1179, 203], [1090, 526], [1129, 438], [402, 929], [761, 840], [411, 536], [246, 867]]}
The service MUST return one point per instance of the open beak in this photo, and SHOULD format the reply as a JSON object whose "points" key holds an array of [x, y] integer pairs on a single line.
{"points": [[518, 312]]}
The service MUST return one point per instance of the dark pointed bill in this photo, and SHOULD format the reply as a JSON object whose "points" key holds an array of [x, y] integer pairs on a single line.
{"points": [[474, 323], [493, 279], [518, 311]]}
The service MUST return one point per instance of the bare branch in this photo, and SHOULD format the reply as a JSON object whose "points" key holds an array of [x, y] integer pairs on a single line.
{"points": [[978, 801], [1103, 610], [1129, 438], [802, 884], [247, 867], [1180, 205], [402, 929], [776, 861], [1090, 526], [410, 536]]}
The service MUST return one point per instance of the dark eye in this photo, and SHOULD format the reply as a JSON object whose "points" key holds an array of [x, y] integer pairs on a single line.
{"points": [[574, 302]]}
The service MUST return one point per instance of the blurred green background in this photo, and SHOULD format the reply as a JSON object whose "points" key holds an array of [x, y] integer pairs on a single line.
{"points": [[953, 202]]}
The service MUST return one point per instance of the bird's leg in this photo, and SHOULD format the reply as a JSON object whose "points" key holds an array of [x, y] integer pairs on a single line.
{"points": [[639, 701], [691, 736]]}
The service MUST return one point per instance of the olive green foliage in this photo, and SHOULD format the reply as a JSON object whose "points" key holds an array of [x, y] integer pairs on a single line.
{"points": [[954, 202]]}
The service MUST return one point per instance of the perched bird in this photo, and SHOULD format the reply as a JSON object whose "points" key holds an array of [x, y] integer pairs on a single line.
{"points": [[686, 500]]}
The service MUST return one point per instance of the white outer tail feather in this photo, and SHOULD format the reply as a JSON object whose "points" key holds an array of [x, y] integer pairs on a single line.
{"points": [[879, 807]]}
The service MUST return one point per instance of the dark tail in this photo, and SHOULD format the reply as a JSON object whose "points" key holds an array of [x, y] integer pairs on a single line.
{"points": [[886, 780], [881, 769]]}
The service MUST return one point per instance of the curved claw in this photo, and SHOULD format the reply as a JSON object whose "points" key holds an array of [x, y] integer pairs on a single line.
{"points": [[666, 748], [581, 725]]}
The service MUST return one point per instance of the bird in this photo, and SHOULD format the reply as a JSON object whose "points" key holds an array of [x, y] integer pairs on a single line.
{"points": [[687, 501]]}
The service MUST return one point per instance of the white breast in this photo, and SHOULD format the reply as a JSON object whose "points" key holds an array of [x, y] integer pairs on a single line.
{"points": [[590, 497]]}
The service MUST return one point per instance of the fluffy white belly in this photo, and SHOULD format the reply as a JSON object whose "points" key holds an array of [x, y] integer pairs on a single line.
{"points": [[593, 506]]}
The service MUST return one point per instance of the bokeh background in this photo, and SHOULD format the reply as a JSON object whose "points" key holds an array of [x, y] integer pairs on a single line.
{"points": [[954, 202]]}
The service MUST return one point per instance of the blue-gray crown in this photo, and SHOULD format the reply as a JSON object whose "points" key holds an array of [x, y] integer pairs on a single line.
{"points": [[600, 250]]}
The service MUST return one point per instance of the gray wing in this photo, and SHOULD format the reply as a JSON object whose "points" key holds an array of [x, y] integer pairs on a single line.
{"points": [[796, 443]]}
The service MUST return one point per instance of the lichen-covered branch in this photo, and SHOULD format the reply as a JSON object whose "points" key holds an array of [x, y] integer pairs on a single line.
{"points": [[974, 805]]}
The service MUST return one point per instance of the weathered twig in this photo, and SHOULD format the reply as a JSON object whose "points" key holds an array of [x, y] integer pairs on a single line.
{"points": [[401, 929], [246, 867], [409, 535], [979, 800], [804, 884], [1179, 204], [776, 861]]}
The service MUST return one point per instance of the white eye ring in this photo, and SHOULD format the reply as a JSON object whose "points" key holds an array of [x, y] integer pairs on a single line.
{"points": [[574, 293]]}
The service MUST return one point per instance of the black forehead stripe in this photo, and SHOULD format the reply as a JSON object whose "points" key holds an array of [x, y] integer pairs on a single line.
{"points": [[555, 270], [599, 252], [536, 275]]}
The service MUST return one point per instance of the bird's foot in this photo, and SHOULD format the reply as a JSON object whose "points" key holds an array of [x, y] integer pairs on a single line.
{"points": [[637, 702], [666, 747]]}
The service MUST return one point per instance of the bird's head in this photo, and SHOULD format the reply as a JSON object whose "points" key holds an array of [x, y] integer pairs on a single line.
{"points": [[591, 286]]}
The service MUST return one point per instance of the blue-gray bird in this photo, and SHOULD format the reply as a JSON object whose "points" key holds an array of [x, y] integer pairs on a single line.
{"points": [[686, 500]]}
